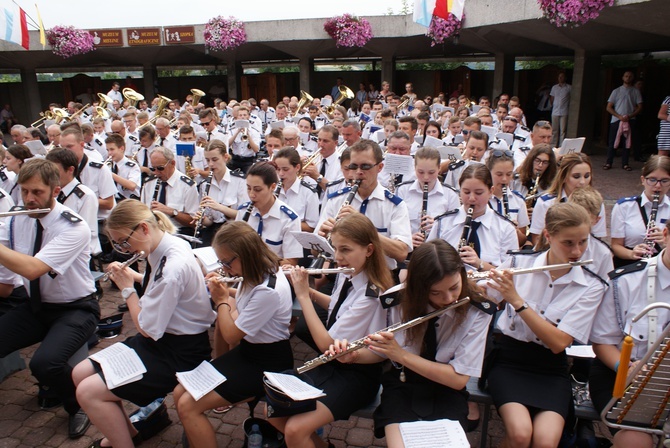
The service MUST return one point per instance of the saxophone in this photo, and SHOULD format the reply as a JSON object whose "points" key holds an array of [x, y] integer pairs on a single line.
{"points": [[466, 229], [188, 166], [651, 224]]}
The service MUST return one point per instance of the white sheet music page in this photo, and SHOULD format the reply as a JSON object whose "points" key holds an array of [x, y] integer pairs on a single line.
{"points": [[120, 364], [437, 434], [397, 164], [201, 380], [293, 386], [207, 257]]}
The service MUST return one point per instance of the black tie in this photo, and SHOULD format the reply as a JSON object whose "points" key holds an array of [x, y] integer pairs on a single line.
{"points": [[146, 157], [162, 197], [162, 140], [473, 238], [209, 135], [322, 172], [429, 348], [145, 280], [61, 197], [344, 292], [115, 169], [35, 294]]}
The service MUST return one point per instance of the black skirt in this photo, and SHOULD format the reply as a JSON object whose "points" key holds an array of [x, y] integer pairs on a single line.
{"points": [[244, 365], [162, 358], [530, 374], [348, 387], [417, 399]]}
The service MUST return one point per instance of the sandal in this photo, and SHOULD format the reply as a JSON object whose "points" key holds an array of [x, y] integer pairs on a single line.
{"points": [[627, 168], [222, 409], [607, 166]]}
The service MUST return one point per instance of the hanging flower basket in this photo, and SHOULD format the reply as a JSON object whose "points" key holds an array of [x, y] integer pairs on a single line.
{"points": [[224, 34], [441, 30], [572, 13], [68, 41], [348, 30]]}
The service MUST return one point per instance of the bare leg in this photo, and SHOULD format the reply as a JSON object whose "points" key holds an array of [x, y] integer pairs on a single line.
{"points": [[300, 430], [393, 436], [192, 414], [518, 425], [547, 429], [623, 439]]}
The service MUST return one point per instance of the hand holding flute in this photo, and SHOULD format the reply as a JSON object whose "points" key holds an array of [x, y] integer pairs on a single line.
{"points": [[118, 270]]}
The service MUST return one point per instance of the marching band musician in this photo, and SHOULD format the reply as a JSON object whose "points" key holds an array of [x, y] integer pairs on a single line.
{"points": [[90, 146], [354, 310], [62, 311], [266, 114], [171, 192], [329, 166], [490, 236], [350, 132], [386, 211], [255, 321], [298, 194], [14, 158], [544, 313], [308, 139], [99, 134], [273, 220], [126, 173], [164, 137], [243, 143], [475, 146], [132, 135], [627, 296], [540, 160], [209, 121], [198, 169], [7, 177], [172, 318], [274, 141], [441, 198], [397, 143]]}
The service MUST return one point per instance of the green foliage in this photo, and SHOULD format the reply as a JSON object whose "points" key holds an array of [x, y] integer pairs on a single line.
{"points": [[429, 65], [10, 77], [282, 69], [538, 64]]}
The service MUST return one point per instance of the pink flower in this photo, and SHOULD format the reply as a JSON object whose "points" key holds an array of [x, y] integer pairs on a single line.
{"points": [[67, 41], [441, 30], [348, 30], [572, 13], [224, 34]]}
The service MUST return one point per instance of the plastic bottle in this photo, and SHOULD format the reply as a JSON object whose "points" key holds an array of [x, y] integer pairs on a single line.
{"points": [[255, 439]]}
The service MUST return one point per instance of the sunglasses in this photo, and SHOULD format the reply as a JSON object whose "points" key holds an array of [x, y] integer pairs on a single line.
{"points": [[157, 168], [124, 246], [205, 123], [500, 153], [364, 166], [226, 264]]}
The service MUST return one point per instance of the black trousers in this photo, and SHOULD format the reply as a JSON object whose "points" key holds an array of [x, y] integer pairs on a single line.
{"points": [[62, 329]]}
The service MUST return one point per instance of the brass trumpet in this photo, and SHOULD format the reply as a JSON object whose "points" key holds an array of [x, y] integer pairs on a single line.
{"points": [[345, 94], [132, 96], [311, 160]]}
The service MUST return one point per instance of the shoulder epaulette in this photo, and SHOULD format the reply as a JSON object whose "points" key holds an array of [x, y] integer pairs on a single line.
{"points": [[335, 182], [238, 173], [548, 197], [290, 213], [306, 184], [518, 137], [455, 165], [519, 194], [524, 148], [626, 199], [2, 195], [314, 138], [187, 180], [391, 197], [130, 163], [407, 182], [372, 290], [243, 206], [17, 208], [70, 216], [633, 267], [501, 216], [485, 306], [602, 280], [339, 192], [96, 164], [78, 192], [159, 269], [272, 281], [3, 176], [602, 242], [447, 213], [391, 297], [525, 128], [97, 140], [454, 189], [133, 138]]}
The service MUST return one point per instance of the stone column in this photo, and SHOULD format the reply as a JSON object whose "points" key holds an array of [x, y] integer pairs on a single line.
{"points": [[150, 82], [503, 76], [33, 100], [388, 71], [234, 70], [306, 73], [583, 97]]}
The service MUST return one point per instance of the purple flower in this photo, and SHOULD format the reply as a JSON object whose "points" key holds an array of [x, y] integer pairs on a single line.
{"points": [[440, 29], [572, 13], [67, 41], [224, 34], [348, 30]]}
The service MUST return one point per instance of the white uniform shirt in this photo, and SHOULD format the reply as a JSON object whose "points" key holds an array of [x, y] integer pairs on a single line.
{"points": [[387, 212], [453, 176], [176, 300], [7, 180], [459, 344], [98, 143], [218, 134], [130, 170], [169, 142], [625, 298], [496, 234], [601, 254], [561, 99], [517, 186], [440, 200], [361, 312], [627, 222], [132, 143], [82, 200], [98, 177], [264, 311], [517, 207], [92, 154], [276, 228], [6, 203], [143, 156], [569, 303], [231, 191], [303, 200], [65, 249], [114, 95], [181, 194], [266, 116], [546, 201], [241, 148]]}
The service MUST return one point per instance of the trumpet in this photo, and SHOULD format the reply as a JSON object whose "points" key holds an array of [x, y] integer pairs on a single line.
{"points": [[651, 223], [24, 211], [311, 160], [395, 328], [125, 264], [108, 162], [404, 101], [245, 134], [466, 229], [483, 275]]}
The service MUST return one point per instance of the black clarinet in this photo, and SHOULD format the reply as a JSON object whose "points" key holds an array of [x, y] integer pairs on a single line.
{"points": [[466, 229], [247, 212], [505, 201], [157, 188], [198, 224], [424, 210], [278, 188]]}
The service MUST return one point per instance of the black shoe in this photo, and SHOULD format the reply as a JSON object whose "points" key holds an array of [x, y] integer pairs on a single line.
{"points": [[123, 307], [49, 402], [77, 424], [152, 424]]}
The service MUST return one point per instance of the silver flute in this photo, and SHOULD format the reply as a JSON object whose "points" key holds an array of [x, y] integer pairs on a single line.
{"points": [[327, 271], [395, 328], [125, 264], [224, 279], [24, 212], [483, 275]]}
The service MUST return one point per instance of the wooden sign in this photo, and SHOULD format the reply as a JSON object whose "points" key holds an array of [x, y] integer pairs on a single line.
{"points": [[144, 36], [173, 35], [107, 38]]}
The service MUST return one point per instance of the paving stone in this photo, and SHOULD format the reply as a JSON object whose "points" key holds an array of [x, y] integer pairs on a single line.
{"points": [[359, 437], [9, 443]]}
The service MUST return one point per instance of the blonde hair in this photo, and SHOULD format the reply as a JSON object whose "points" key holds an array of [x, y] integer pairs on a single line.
{"points": [[131, 212], [561, 216], [589, 198]]}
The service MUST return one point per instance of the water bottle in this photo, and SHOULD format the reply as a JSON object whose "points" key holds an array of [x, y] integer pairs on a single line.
{"points": [[144, 412], [255, 439]]}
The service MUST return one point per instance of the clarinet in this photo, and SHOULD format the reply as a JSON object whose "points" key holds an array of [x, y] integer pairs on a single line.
{"points": [[530, 197], [505, 201], [349, 198], [198, 224], [157, 188], [651, 224], [466, 229], [247, 212], [424, 209], [278, 188]]}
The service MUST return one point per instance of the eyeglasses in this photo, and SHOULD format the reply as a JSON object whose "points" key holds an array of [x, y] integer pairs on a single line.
{"points": [[226, 264], [651, 181], [541, 162], [205, 123], [500, 153], [465, 132], [124, 246], [158, 168], [363, 166]]}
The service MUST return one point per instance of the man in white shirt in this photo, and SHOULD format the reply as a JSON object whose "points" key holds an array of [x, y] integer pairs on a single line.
{"points": [[115, 93], [560, 103]]}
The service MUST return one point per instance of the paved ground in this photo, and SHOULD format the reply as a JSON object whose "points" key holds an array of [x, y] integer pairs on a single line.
{"points": [[23, 424]]}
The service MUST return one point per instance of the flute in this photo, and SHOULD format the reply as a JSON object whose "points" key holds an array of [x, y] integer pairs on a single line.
{"points": [[651, 223], [466, 229], [198, 224], [125, 264], [327, 271], [24, 212], [483, 275], [224, 279], [395, 328], [505, 201], [424, 210]]}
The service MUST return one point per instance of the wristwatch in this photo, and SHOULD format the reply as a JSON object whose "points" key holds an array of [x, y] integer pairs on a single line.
{"points": [[127, 292], [522, 308], [319, 179], [175, 212]]}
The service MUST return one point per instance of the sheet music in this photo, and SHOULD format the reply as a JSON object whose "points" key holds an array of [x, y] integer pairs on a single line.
{"points": [[201, 380], [437, 434], [432, 142], [293, 386], [312, 241], [277, 124], [120, 364], [451, 153], [207, 257], [36, 147], [241, 123], [571, 145], [396, 164], [580, 351]]}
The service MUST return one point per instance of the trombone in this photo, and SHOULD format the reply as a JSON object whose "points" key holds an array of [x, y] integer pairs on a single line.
{"points": [[163, 101], [74, 115], [46, 115], [345, 94]]}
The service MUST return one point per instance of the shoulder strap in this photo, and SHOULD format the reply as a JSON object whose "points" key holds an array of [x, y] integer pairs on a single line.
{"points": [[652, 315]]}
